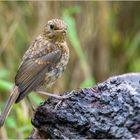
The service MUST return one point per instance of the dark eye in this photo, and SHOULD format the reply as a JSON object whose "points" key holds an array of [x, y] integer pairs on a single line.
{"points": [[51, 26]]}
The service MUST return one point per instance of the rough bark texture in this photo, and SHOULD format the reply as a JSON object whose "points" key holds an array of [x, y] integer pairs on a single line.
{"points": [[111, 112]]}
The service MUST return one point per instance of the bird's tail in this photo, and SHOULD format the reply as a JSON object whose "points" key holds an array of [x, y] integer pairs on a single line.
{"points": [[9, 104]]}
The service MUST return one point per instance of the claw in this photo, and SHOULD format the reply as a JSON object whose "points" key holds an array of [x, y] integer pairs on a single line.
{"points": [[64, 97]]}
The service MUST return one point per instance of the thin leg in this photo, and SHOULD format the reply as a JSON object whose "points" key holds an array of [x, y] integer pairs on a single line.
{"points": [[94, 89], [32, 106], [58, 104], [56, 96], [68, 95]]}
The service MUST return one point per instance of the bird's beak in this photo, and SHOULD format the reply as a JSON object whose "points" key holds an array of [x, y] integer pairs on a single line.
{"points": [[62, 31]]}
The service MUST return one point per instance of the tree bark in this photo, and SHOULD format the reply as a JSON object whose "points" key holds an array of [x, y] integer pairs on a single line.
{"points": [[109, 110]]}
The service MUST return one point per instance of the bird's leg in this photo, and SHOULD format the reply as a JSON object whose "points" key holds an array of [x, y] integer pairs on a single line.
{"points": [[58, 104], [61, 100], [56, 96], [68, 95], [32, 106]]}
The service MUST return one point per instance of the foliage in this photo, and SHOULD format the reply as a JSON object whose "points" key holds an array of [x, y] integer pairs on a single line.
{"points": [[73, 37]]}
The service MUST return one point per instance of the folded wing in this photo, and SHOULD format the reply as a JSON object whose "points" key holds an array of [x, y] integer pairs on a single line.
{"points": [[31, 73]]}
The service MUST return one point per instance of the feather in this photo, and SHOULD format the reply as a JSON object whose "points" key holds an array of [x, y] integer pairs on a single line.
{"points": [[31, 74]]}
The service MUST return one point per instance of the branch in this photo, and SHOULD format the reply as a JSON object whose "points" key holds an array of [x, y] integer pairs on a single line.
{"points": [[111, 112]]}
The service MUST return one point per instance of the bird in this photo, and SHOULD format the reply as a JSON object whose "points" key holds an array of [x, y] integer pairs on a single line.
{"points": [[43, 63]]}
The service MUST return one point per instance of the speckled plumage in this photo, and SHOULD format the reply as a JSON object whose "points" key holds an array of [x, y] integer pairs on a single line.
{"points": [[42, 64], [45, 58]]}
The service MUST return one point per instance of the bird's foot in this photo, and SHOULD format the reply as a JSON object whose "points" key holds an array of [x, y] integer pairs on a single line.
{"points": [[64, 97], [67, 95], [61, 98]]}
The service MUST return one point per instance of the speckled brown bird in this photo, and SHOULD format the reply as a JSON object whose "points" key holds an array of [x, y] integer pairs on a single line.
{"points": [[42, 64]]}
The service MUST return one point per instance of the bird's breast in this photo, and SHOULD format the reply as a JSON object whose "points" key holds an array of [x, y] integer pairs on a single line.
{"points": [[59, 68]]}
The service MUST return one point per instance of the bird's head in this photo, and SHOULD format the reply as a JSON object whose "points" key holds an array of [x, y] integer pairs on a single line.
{"points": [[55, 30]]}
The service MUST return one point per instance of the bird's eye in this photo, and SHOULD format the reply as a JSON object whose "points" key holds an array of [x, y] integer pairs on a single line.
{"points": [[51, 26]]}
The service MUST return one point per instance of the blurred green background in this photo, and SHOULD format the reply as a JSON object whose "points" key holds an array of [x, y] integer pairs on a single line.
{"points": [[103, 37]]}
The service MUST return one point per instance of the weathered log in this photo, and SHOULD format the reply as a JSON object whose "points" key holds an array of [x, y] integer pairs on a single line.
{"points": [[111, 112]]}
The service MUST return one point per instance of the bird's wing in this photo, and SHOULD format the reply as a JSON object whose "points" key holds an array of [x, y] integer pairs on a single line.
{"points": [[31, 72], [38, 46]]}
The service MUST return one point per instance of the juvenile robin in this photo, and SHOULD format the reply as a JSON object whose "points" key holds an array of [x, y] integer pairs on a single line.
{"points": [[41, 65]]}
